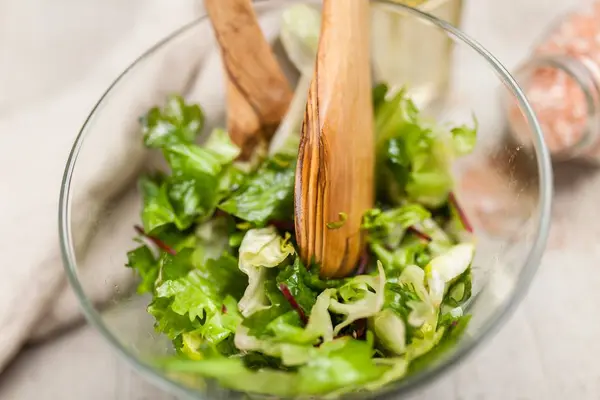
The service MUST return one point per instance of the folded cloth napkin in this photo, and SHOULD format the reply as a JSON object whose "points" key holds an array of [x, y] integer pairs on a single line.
{"points": [[34, 145]]}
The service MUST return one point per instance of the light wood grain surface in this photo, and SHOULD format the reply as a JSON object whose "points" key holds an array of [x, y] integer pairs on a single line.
{"points": [[549, 349]]}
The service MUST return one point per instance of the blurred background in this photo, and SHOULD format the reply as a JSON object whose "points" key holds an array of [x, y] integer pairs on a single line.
{"points": [[56, 60]]}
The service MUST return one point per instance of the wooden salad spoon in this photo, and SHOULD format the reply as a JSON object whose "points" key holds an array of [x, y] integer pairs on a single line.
{"points": [[335, 171], [258, 93]]}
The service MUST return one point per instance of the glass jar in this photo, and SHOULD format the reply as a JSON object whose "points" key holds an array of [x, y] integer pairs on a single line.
{"points": [[401, 59], [562, 82]]}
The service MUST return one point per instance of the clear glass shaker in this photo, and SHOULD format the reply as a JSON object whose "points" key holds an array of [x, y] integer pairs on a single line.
{"points": [[561, 79]]}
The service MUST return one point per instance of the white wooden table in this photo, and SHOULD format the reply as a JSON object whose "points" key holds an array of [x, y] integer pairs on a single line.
{"points": [[550, 348]]}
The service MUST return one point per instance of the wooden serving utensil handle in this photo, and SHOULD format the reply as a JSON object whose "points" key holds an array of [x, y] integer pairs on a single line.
{"points": [[335, 172], [258, 94]]}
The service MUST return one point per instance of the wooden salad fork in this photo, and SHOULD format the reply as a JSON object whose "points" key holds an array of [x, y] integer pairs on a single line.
{"points": [[335, 171], [258, 94]]}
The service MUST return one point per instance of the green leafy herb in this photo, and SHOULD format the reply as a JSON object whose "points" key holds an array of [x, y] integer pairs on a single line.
{"points": [[414, 156], [224, 276], [258, 322], [460, 290], [398, 298], [212, 239], [142, 260], [201, 177], [390, 226], [192, 295], [339, 366], [168, 321], [157, 210], [267, 194], [464, 138], [177, 122], [294, 277], [221, 325], [316, 283], [200, 293], [172, 267]]}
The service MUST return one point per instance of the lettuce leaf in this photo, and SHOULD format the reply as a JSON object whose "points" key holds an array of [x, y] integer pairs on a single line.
{"points": [[398, 368], [260, 249], [291, 354], [334, 368], [424, 312], [212, 238], [200, 293], [390, 330], [232, 373], [258, 323], [174, 258], [201, 176], [221, 325], [224, 276], [459, 291], [157, 210], [440, 242], [143, 262], [221, 147], [192, 161], [414, 155], [362, 297], [288, 327], [464, 138], [411, 251], [177, 122], [174, 266], [294, 278], [340, 365], [398, 298], [215, 333], [390, 226], [267, 194], [445, 268], [192, 295], [450, 339], [287, 339], [168, 321]]}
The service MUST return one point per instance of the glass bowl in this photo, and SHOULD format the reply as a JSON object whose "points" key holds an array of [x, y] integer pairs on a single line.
{"points": [[505, 188]]}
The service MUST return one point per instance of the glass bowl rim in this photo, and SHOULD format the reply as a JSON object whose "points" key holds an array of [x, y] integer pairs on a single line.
{"points": [[410, 383]]}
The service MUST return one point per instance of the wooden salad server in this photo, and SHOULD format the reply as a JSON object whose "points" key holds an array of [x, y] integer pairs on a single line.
{"points": [[258, 94], [335, 172]]}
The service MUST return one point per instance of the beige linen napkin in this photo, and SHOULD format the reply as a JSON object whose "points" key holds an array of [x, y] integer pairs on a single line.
{"points": [[34, 145]]}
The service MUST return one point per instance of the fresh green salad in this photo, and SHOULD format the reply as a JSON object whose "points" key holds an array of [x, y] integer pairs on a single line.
{"points": [[219, 258]]}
